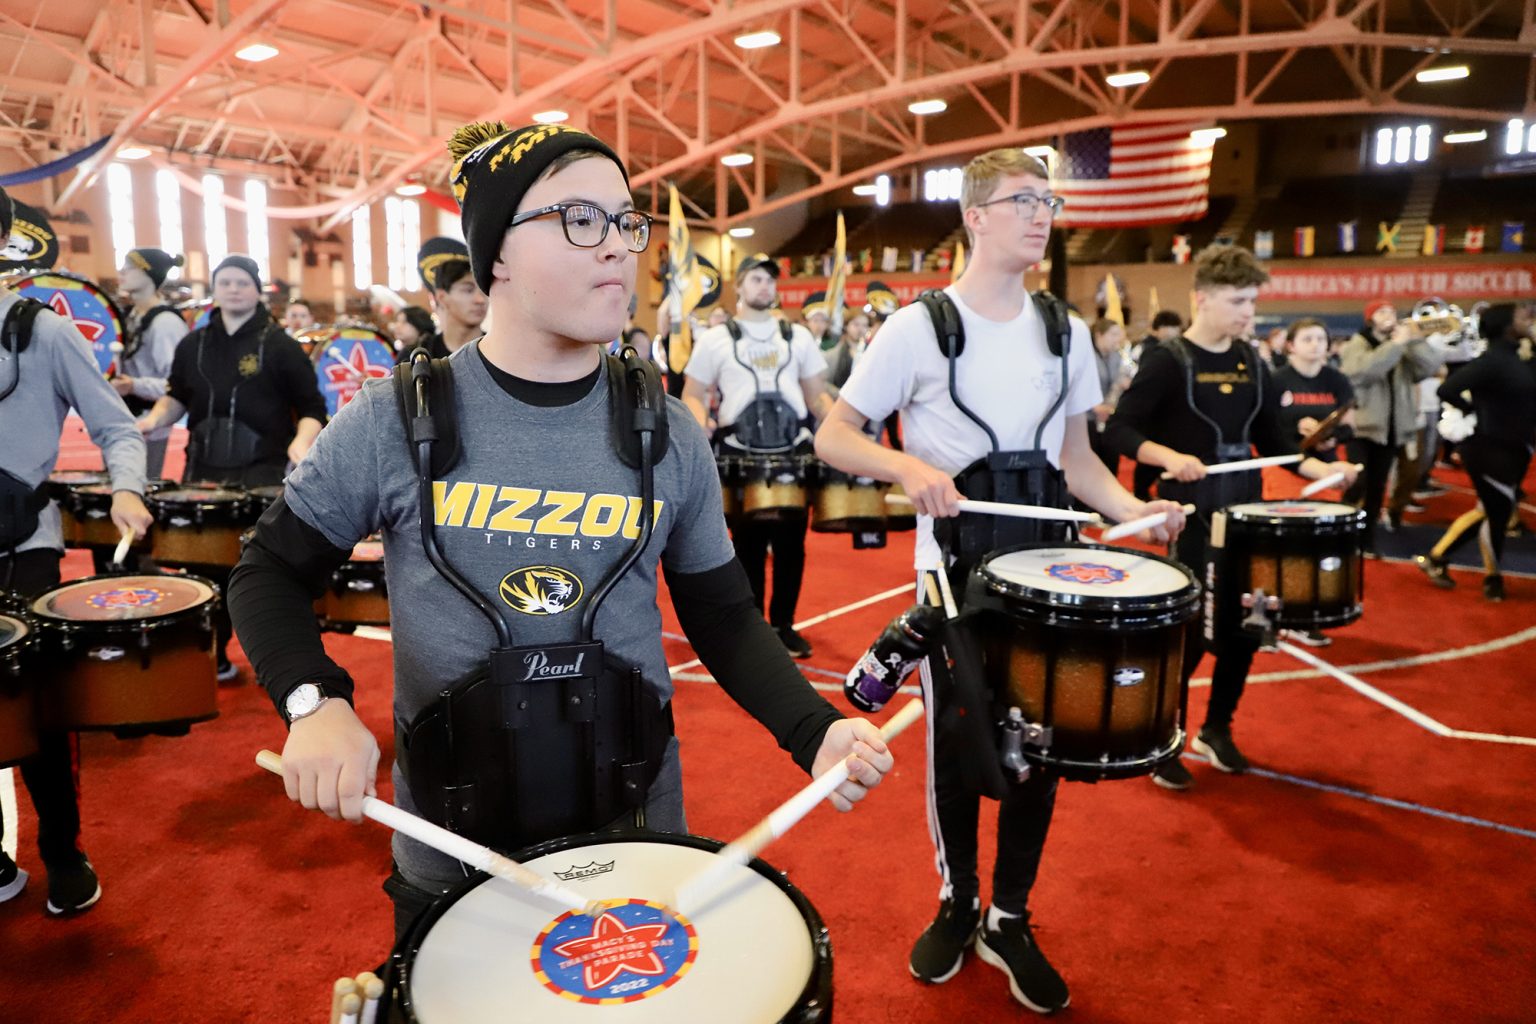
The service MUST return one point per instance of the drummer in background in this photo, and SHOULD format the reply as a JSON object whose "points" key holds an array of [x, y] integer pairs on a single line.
{"points": [[1114, 377], [460, 304], [298, 316], [250, 395], [1236, 407], [1010, 380], [53, 372], [154, 331], [410, 327], [531, 409], [1310, 390], [771, 377]]}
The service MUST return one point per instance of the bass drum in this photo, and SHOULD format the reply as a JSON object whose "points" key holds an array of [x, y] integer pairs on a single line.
{"points": [[485, 954], [346, 357], [80, 301]]}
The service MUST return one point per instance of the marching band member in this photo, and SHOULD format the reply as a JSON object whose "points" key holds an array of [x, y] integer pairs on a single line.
{"points": [[460, 304], [154, 331]]}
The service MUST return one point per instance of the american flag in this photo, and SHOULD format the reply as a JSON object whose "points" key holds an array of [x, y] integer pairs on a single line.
{"points": [[1125, 177]]}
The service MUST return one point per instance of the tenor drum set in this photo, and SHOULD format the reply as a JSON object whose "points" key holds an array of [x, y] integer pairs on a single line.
{"points": [[769, 488]]}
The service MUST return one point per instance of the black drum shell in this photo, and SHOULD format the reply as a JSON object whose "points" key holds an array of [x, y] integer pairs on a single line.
{"points": [[1289, 557]]}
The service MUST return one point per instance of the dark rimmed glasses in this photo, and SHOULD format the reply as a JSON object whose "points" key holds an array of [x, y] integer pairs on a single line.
{"points": [[1025, 204], [586, 226]]}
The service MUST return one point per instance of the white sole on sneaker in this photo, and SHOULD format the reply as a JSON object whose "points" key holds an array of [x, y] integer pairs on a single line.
{"points": [[1199, 746], [13, 888], [987, 956], [941, 979], [56, 912]]}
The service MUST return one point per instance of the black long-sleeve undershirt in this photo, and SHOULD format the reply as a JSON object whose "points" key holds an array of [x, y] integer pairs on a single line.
{"points": [[1503, 389]]}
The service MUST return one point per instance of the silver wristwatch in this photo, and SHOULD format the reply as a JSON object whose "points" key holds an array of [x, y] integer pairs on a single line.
{"points": [[302, 701]]}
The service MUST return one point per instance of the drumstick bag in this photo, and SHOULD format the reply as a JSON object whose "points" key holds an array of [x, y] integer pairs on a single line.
{"points": [[965, 730]]}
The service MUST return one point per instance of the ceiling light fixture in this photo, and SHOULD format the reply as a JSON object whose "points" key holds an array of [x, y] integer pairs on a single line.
{"points": [[742, 232], [736, 159], [865, 190], [1207, 136], [551, 116], [411, 188], [758, 40], [255, 53], [1125, 79], [132, 153], [923, 107], [1457, 138], [1446, 74]]}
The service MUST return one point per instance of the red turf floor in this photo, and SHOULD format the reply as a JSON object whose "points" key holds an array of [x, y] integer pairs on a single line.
{"points": [[1260, 899]]}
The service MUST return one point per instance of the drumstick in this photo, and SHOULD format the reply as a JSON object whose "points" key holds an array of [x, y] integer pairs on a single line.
{"points": [[948, 596], [1238, 467], [121, 551], [1331, 480], [741, 850], [1131, 526], [351, 1005], [1003, 508], [457, 847], [339, 991], [372, 990], [334, 351]]}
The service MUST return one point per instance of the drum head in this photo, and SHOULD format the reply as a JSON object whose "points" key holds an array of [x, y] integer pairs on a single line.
{"points": [[346, 361], [82, 303], [1078, 575], [498, 955], [198, 496], [13, 631], [76, 477], [122, 598], [1324, 511]]}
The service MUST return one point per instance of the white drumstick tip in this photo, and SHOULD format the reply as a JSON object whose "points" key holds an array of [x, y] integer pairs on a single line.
{"points": [[121, 551]]}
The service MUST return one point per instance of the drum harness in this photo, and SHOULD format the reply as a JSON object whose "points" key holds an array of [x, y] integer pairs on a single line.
{"points": [[985, 733], [1221, 489], [135, 341], [487, 758], [223, 442], [769, 420]]}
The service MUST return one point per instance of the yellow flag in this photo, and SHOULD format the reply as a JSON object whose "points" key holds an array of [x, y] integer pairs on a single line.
{"points": [[837, 283], [1152, 307], [958, 266], [685, 281], [1112, 310]]}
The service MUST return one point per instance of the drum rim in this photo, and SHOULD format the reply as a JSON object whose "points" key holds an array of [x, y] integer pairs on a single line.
{"points": [[1172, 601], [816, 997], [1071, 769], [21, 640], [1350, 518], [237, 500], [59, 623]]}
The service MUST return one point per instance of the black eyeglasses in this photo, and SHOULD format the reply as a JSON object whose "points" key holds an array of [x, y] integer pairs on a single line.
{"points": [[586, 225], [1026, 203]]}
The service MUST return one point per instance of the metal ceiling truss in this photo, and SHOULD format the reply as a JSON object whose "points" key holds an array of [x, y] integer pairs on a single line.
{"points": [[370, 87]]}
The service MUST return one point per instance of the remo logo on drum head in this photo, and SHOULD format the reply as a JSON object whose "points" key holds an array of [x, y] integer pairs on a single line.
{"points": [[631, 951], [1086, 572]]}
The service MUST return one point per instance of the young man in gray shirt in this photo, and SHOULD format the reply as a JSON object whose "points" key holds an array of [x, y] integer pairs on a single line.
{"points": [[534, 514], [44, 372]]}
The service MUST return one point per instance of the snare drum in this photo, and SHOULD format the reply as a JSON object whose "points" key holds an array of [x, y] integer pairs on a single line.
{"points": [[772, 487], [259, 499], [198, 526], [133, 654], [18, 705], [357, 595], [486, 954], [730, 486], [1088, 643], [1310, 554], [843, 503]]}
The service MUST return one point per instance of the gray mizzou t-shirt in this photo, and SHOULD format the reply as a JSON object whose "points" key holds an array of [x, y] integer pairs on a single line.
{"points": [[535, 514]]}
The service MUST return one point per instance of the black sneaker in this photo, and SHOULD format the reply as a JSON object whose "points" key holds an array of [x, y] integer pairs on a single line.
{"points": [[72, 888], [793, 642], [940, 950], [12, 878], [1310, 637], [1013, 950], [1493, 588], [1435, 569], [1172, 774], [227, 672], [1215, 742]]}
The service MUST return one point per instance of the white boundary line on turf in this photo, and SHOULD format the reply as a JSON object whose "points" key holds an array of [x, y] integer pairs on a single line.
{"points": [[815, 620], [1391, 703], [1453, 654]]}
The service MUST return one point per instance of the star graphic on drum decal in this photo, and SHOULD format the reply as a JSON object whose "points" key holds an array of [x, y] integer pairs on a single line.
{"points": [[90, 329], [347, 375], [614, 947], [1086, 572]]}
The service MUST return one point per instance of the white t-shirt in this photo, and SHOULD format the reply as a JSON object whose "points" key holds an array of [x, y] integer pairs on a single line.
{"points": [[1006, 375], [717, 362]]}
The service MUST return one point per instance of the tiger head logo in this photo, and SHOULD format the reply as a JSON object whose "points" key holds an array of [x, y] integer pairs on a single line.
{"points": [[541, 590]]}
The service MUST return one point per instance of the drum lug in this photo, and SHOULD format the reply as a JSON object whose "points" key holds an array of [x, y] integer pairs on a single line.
{"points": [[1260, 619], [1015, 731], [144, 649], [105, 653], [360, 585]]}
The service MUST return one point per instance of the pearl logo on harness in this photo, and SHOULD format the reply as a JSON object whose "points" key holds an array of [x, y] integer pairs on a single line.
{"points": [[541, 590], [1086, 572], [631, 951]]}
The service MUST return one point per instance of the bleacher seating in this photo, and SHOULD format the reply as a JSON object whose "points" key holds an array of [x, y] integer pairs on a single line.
{"points": [[1489, 202], [1323, 203]]}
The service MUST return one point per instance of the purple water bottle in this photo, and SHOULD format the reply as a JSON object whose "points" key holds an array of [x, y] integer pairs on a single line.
{"points": [[907, 640]]}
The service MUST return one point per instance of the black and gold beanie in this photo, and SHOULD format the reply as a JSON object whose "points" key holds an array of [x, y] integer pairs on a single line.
{"points": [[157, 263], [437, 255], [493, 168]]}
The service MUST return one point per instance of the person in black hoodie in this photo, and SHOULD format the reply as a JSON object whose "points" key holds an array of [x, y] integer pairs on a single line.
{"points": [[1203, 399], [1500, 388], [250, 396]]}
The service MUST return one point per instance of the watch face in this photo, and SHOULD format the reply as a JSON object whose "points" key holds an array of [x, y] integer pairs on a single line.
{"points": [[304, 699]]}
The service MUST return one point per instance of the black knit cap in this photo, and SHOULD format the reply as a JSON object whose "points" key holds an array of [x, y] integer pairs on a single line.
{"points": [[760, 260], [437, 255], [493, 168], [240, 261], [7, 215], [157, 263]]}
